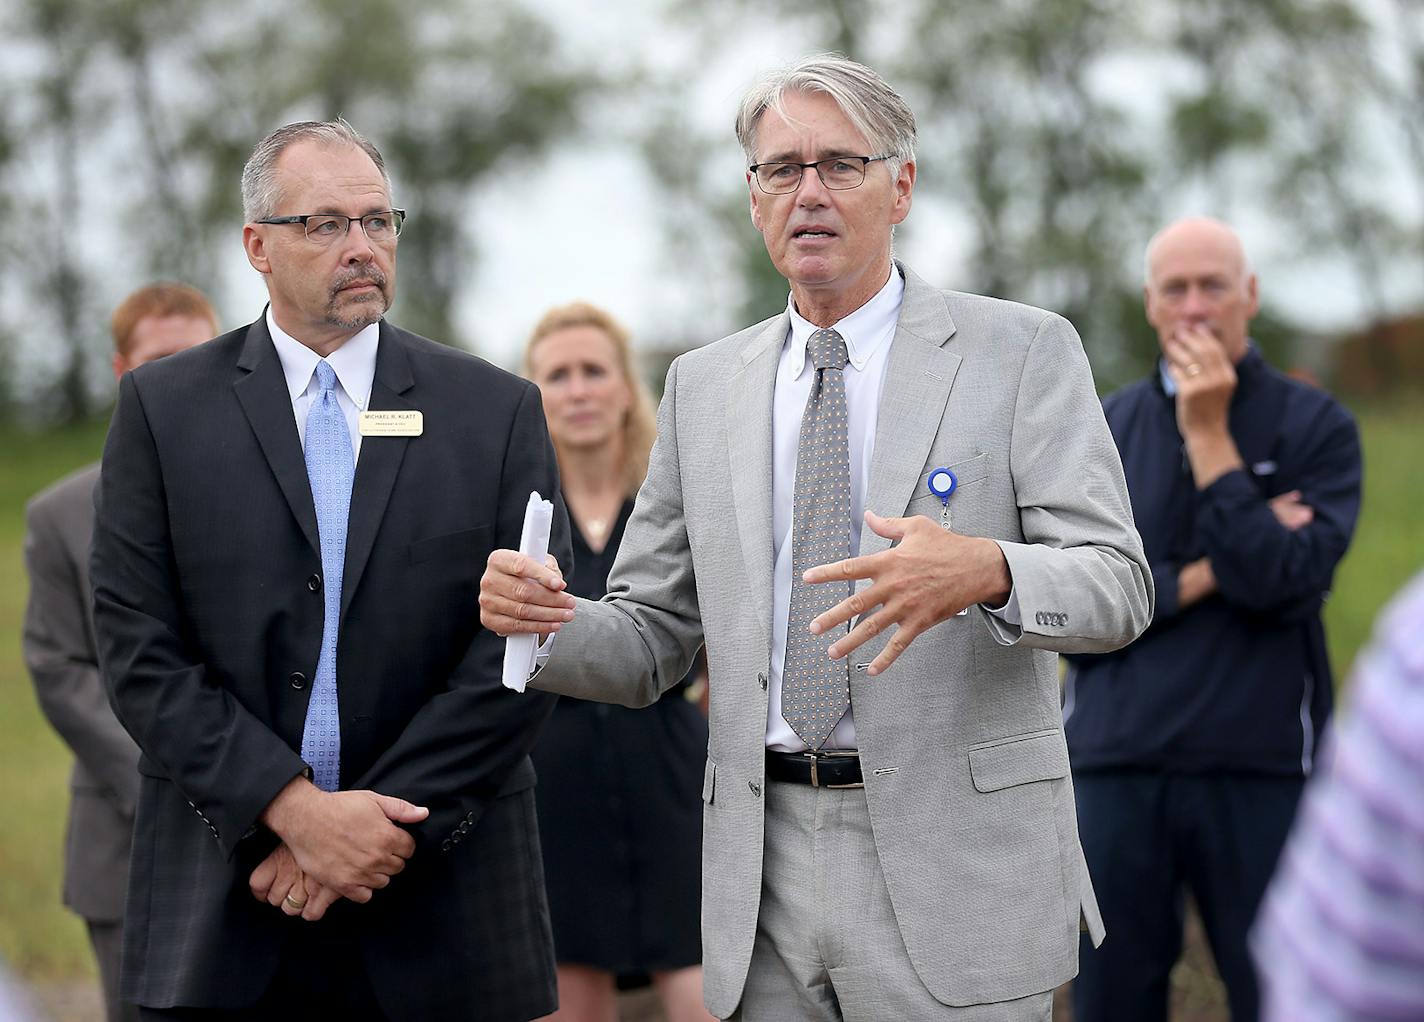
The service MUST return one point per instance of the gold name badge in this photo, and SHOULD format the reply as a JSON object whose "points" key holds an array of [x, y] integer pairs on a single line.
{"points": [[392, 423]]}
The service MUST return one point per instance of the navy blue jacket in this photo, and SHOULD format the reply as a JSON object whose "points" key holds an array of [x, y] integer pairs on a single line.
{"points": [[1239, 680]]}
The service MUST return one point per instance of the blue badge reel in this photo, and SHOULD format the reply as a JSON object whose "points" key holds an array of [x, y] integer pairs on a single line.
{"points": [[942, 484]]}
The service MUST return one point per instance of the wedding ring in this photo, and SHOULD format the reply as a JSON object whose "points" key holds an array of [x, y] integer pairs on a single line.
{"points": [[1193, 369], [298, 905]]}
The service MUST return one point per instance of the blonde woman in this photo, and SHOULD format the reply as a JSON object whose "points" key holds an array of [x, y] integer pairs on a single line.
{"points": [[619, 802]]}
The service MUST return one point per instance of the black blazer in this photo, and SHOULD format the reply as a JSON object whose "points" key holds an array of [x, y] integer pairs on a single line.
{"points": [[208, 608]]}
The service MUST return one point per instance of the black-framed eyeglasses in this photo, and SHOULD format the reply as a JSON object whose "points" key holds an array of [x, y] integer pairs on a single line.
{"points": [[837, 173], [382, 227]]}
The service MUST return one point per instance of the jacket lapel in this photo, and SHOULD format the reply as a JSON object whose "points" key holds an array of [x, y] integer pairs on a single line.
{"points": [[262, 391], [918, 379], [380, 460], [749, 399]]}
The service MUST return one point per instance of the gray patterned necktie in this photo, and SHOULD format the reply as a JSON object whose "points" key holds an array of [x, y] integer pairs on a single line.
{"points": [[815, 690]]}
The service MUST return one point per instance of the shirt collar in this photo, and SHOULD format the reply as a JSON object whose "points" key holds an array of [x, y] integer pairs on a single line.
{"points": [[1169, 385], [864, 330], [354, 362]]}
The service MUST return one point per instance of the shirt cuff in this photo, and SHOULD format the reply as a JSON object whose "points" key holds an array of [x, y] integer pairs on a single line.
{"points": [[1006, 622], [1009, 612], [541, 654]]}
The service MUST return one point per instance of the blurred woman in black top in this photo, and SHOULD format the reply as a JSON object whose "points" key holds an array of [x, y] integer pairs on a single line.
{"points": [[620, 811]]}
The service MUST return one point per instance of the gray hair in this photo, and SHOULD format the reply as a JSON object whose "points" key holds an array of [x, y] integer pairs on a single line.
{"points": [[876, 110], [261, 191]]}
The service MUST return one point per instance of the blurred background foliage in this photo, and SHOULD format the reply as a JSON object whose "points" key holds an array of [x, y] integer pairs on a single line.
{"points": [[1056, 136]]}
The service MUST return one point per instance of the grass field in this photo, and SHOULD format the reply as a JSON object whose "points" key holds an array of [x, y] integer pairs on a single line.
{"points": [[38, 937], [43, 942]]}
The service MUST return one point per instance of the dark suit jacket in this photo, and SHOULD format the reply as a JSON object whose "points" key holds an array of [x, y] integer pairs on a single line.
{"points": [[58, 644], [208, 606]]}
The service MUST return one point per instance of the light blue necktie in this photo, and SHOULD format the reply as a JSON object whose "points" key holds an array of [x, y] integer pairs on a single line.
{"points": [[331, 469]]}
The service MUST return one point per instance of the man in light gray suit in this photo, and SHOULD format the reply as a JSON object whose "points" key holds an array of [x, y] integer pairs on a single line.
{"points": [[889, 828], [58, 644]]}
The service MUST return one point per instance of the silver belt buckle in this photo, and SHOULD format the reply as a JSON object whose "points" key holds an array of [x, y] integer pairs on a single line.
{"points": [[815, 757]]}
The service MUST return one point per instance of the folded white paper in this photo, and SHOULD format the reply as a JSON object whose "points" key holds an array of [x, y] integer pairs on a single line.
{"points": [[519, 650]]}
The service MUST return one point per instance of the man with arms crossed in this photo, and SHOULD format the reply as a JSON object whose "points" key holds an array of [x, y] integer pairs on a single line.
{"points": [[888, 819], [1190, 747], [58, 644], [290, 531]]}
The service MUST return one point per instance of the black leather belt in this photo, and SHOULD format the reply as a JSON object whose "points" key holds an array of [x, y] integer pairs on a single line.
{"points": [[830, 769]]}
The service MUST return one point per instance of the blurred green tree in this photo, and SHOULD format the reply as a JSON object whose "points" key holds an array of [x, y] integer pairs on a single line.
{"points": [[54, 121], [180, 90], [1062, 133]]}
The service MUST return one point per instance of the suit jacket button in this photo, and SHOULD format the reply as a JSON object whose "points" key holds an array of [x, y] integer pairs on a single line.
{"points": [[314, 583], [755, 788], [297, 680], [761, 680]]}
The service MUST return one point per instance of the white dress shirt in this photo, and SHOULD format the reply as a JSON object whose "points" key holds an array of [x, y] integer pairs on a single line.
{"points": [[354, 364], [868, 333]]}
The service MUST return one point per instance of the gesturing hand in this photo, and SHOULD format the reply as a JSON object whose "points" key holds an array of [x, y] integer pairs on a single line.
{"points": [[519, 596], [345, 840], [928, 577]]}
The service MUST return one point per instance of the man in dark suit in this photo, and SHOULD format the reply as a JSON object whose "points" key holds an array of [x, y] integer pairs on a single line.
{"points": [[58, 645], [291, 528]]}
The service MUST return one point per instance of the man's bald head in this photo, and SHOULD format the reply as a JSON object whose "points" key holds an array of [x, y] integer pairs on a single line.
{"points": [[1197, 233], [1198, 277]]}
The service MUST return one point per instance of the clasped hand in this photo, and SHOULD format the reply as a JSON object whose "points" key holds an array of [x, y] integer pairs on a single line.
{"points": [[343, 844]]}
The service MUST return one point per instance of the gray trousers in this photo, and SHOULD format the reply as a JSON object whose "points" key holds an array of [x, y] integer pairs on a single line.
{"points": [[108, 940], [828, 948]]}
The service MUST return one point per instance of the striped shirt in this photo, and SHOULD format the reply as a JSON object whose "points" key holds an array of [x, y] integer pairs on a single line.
{"points": [[1341, 932]]}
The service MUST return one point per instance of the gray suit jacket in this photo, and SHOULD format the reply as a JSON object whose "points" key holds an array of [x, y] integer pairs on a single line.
{"points": [[961, 740], [58, 644]]}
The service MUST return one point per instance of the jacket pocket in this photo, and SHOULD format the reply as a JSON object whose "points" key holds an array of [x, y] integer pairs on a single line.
{"points": [[970, 470], [709, 783], [463, 544], [1018, 759]]}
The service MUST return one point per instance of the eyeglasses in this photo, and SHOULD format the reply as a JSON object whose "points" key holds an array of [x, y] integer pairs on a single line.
{"points": [[324, 228], [837, 173]]}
